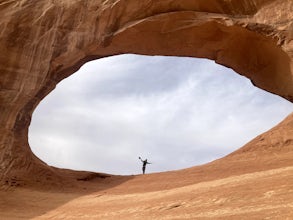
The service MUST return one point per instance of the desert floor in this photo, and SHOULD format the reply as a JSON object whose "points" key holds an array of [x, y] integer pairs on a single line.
{"points": [[235, 187]]}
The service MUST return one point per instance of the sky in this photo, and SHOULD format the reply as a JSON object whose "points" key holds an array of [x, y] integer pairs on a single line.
{"points": [[176, 112]]}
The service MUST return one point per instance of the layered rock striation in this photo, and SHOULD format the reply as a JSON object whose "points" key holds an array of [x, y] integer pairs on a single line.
{"points": [[42, 42]]}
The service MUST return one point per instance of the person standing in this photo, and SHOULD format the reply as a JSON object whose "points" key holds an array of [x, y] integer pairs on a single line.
{"points": [[144, 163]]}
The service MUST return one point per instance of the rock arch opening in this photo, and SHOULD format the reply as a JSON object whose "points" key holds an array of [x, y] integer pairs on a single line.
{"points": [[45, 42], [178, 112]]}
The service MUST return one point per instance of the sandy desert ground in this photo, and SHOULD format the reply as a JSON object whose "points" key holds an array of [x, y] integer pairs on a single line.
{"points": [[243, 185], [254, 182]]}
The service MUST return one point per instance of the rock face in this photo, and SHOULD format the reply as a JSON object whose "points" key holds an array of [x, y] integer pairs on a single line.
{"points": [[42, 42]]}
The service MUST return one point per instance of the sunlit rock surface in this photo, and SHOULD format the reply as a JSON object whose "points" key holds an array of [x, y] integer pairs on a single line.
{"points": [[42, 42]]}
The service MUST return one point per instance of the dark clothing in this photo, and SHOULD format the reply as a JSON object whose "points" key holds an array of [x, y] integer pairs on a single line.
{"points": [[144, 163]]}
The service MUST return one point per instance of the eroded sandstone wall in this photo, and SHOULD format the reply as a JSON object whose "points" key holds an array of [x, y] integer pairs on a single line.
{"points": [[44, 41]]}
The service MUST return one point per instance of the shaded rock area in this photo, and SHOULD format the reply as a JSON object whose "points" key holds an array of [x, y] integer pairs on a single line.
{"points": [[45, 41]]}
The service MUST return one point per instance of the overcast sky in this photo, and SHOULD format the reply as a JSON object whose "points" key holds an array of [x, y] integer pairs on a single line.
{"points": [[177, 112]]}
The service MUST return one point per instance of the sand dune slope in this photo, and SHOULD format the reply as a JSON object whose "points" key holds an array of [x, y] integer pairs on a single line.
{"points": [[255, 182]]}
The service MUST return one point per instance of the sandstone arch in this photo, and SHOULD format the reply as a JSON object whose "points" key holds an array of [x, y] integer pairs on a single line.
{"points": [[43, 42]]}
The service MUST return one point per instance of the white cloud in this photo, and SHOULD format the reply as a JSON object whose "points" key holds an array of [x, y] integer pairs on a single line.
{"points": [[177, 112]]}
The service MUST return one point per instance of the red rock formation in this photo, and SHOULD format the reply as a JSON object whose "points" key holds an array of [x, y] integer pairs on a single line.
{"points": [[42, 42]]}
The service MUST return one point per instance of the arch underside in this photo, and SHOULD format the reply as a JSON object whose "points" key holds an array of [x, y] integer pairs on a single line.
{"points": [[45, 42]]}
